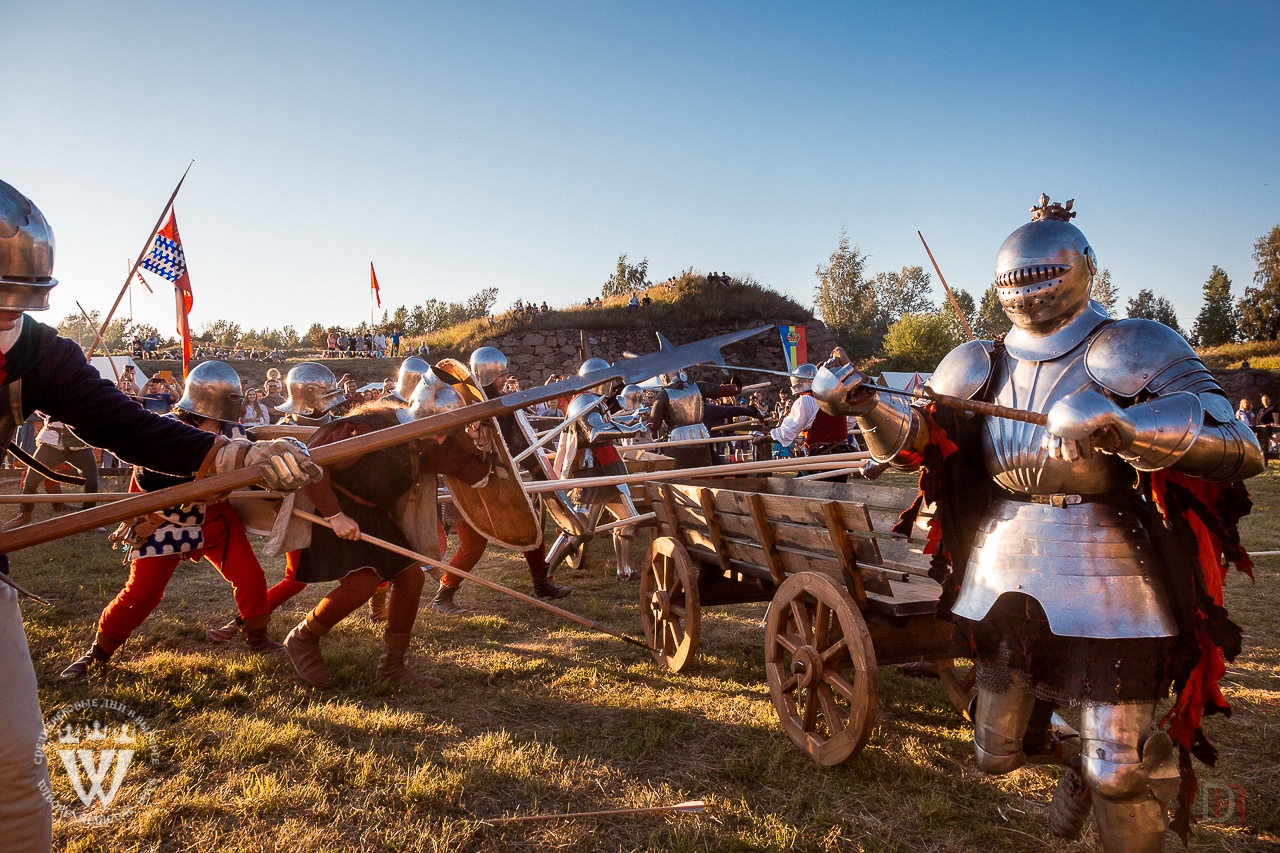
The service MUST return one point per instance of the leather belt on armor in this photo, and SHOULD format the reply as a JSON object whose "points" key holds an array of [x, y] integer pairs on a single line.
{"points": [[1060, 500], [353, 497]]}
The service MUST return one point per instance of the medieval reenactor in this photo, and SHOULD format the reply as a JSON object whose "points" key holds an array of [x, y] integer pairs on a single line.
{"points": [[588, 449], [389, 494], [1067, 552], [159, 542], [488, 372], [681, 408], [822, 433], [314, 395], [40, 370]]}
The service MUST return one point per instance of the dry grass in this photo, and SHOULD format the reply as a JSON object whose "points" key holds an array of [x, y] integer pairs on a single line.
{"points": [[538, 717]]}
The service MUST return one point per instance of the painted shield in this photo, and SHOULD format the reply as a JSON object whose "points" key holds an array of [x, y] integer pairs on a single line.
{"points": [[500, 510]]}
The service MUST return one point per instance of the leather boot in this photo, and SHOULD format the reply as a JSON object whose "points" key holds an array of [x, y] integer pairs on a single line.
{"points": [[303, 646], [19, 520], [545, 587], [391, 665], [98, 653], [444, 603], [225, 634], [378, 604], [255, 634], [1070, 806]]}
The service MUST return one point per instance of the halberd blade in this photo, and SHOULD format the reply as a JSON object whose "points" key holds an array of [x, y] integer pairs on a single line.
{"points": [[670, 358]]}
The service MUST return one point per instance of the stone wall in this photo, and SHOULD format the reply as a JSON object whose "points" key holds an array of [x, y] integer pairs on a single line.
{"points": [[534, 356], [1247, 383]]}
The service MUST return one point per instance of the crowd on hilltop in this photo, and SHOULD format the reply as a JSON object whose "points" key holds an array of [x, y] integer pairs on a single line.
{"points": [[375, 344]]}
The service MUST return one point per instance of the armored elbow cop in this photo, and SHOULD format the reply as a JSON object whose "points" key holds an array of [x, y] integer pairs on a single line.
{"points": [[1192, 433]]}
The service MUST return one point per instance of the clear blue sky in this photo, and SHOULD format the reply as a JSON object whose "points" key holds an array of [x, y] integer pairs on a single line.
{"points": [[526, 145]]}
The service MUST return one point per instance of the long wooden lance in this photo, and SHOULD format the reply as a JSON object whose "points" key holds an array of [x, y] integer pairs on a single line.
{"points": [[493, 585], [954, 304], [146, 247], [976, 407], [667, 358]]}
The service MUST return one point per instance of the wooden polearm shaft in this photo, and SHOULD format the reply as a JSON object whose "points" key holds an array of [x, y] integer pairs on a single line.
{"points": [[666, 358], [493, 585], [129, 279], [977, 407], [767, 466], [110, 497], [98, 334], [688, 807], [964, 321]]}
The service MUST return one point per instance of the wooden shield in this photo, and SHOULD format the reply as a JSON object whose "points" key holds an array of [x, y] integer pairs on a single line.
{"points": [[500, 510]]}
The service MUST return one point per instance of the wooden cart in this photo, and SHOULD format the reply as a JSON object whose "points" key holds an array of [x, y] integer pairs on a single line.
{"points": [[845, 595]]}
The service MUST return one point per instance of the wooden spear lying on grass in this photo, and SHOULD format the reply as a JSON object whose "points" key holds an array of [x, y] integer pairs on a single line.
{"points": [[493, 585], [687, 807]]}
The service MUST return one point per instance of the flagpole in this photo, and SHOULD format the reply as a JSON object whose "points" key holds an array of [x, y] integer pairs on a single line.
{"points": [[146, 248]]}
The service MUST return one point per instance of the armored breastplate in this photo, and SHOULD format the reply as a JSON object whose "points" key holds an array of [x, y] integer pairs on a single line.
{"points": [[684, 406], [1012, 450], [1090, 565]]}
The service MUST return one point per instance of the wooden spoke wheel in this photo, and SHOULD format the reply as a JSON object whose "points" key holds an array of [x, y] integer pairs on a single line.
{"points": [[958, 678], [821, 668], [669, 605]]}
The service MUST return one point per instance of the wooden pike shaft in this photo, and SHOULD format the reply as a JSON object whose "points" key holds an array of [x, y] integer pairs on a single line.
{"points": [[97, 335], [110, 497], [146, 247], [688, 807], [954, 304], [977, 407], [496, 587], [687, 442], [767, 466]]}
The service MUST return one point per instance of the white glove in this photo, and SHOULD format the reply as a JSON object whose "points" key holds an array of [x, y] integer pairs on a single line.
{"points": [[284, 463], [1084, 421]]}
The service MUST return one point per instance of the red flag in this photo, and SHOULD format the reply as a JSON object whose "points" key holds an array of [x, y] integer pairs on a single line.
{"points": [[167, 260], [373, 284]]}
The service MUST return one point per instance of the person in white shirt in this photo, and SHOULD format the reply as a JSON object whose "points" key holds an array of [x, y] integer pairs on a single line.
{"points": [[255, 413]]}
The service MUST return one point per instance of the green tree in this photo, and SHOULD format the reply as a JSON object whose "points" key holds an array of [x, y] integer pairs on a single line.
{"points": [[1217, 322], [1260, 307], [317, 336], [844, 301], [965, 300], [626, 278], [400, 318], [991, 320], [919, 341], [224, 333], [1147, 306], [1104, 292], [900, 293], [75, 327]]}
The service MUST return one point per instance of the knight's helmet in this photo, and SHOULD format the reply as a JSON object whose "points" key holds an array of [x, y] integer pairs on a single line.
{"points": [[431, 396], [675, 377], [1045, 270], [802, 378], [213, 390], [489, 369], [411, 370], [26, 253], [591, 365], [313, 390], [631, 398]]}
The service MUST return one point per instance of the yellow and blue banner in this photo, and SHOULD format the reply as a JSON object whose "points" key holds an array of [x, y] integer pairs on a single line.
{"points": [[793, 346]]}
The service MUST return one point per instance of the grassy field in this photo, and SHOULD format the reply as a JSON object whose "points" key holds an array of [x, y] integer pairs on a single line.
{"points": [[539, 717]]}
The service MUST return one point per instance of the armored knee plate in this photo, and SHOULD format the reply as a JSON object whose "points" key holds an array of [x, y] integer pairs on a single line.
{"points": [[999, 726]]}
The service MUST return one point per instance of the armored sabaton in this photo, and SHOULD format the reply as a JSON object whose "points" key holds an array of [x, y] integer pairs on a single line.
{"points": [[1120, 397], [587, 449]]}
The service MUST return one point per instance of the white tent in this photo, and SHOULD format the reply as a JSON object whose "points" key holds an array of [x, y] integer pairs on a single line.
{"points": [[103, 365], [903, 381]]}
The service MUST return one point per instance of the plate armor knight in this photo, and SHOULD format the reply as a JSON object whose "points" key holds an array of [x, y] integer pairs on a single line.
{"points": [[1064, 597]]}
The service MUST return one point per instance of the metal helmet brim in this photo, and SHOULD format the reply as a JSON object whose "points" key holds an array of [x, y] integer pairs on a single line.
{"points": [[26, 253]]}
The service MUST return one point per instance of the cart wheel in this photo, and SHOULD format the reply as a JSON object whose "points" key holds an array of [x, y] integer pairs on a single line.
{"points": [[575, 558], [958, 676], [669, 604], [821, 668]]}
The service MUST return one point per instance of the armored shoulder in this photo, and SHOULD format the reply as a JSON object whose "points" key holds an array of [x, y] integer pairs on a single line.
{"points": [[964, 370], [1133, 357]]}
